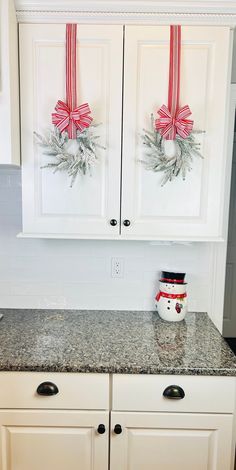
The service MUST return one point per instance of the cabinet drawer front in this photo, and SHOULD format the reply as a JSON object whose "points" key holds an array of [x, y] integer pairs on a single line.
{"points": [[145, 393], [75, 391]]}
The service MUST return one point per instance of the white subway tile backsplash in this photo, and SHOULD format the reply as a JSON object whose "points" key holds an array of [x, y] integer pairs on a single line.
{"points": [[9, 207], [4, 179], [36, 288], [10, 224], [51, 301], [5, 288], [5, 269], [105, 302], [27, 301], [15, 180], [41, 273]]}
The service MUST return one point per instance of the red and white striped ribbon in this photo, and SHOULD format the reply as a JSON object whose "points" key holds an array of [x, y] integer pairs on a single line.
{"points": [[173, 120], [174, 72], [71, 94], [68, 116]]}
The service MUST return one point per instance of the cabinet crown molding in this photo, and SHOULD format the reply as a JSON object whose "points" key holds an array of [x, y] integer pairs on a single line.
{"points": [[152, 6], [128, 11]]}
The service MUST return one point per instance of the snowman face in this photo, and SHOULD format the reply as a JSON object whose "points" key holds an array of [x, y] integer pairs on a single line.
{"points": [[172, 288], [169, 288]]}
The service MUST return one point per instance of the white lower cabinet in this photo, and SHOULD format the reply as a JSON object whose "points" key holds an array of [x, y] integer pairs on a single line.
{"points": [[53, 440], [167, 441], [171, 422], [54, 421], [60, 421]]}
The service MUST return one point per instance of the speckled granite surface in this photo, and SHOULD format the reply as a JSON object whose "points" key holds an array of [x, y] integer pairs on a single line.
{"points": [[112, 341]]}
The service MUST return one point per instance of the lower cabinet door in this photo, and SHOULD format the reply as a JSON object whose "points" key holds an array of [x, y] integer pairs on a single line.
{"points": [[162, 441], [53, 440]]}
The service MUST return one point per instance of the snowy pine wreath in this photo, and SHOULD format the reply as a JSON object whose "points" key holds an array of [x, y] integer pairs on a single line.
{"points": [[157, 160], [58, 146]]}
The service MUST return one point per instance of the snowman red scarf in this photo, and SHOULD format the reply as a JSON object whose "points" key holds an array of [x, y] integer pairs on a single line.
{"points": [[170, 296]]}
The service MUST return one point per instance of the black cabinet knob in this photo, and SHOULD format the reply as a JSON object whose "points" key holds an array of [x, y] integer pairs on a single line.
{"points": [[47, 389], [174, 392], [117, 429], [126, 223], [113, 222], [101, 429]]}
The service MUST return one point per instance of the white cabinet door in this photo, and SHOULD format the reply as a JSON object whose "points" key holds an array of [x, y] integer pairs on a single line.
{"points": [[190, 209], [53, 440], [158, 441], [50, 206], [9, 93]]}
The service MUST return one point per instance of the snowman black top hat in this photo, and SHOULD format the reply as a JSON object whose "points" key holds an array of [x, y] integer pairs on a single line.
{"points": [[172, 278]]}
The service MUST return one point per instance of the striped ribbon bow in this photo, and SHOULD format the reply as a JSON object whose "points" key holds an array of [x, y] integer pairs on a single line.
{"points": [[171, 125], [172, 119], [64, 116]]}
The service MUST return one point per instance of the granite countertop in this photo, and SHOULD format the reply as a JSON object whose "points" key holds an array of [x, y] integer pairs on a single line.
{"points": [[113, 342]]}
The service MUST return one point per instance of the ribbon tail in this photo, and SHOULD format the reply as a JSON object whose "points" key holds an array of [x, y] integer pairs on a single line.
{"points": [[58, 121]]}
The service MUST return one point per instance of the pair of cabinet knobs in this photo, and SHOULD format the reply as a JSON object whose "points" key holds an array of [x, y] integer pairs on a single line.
{"points": [[126, 222], [117, 429]]}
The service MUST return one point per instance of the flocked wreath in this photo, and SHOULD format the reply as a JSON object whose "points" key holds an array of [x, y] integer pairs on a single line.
{"points": [[81, 161], [156, 159]]}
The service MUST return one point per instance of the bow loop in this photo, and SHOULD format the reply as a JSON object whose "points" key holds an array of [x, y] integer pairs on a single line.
{"points": [[169, 125], [64, 116]]}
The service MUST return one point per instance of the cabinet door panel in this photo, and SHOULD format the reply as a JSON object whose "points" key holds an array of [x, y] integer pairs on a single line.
{"points": [[166, 441], [50, 205], [32, 440], [179, 209]]}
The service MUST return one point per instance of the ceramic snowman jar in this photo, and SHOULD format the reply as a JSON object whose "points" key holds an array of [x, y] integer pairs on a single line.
{"points": [[171, 301]]}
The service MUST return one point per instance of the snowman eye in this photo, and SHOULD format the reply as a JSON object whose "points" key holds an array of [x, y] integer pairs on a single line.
{"points": [[172, 286]]}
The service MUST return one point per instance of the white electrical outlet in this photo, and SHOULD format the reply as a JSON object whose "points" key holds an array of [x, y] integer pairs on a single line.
{"points": [[117, 267]]}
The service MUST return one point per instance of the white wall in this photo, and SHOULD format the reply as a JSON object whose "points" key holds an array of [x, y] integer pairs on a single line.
{"points": [[38, 273]]}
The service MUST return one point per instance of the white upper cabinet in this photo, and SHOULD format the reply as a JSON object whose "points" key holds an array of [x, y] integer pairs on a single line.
{"points": [[190, 209], [134, 201], [9, 94], [50, 205]]}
